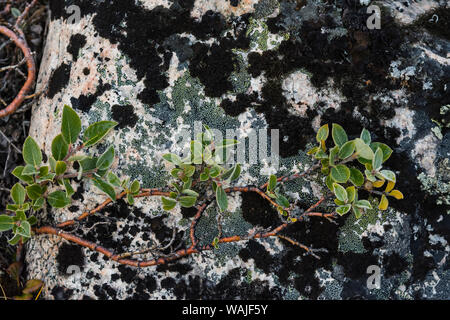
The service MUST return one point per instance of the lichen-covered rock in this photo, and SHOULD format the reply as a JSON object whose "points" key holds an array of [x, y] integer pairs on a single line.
{"points": [[158, 67]]}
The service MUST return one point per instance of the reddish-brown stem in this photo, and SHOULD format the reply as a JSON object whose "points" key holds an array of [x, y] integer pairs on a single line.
{"points": [[84, 215], [293, 176], [22, 44], [194, 248]]}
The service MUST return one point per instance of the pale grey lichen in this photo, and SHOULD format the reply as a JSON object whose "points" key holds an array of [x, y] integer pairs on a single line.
{"points": [[439, 185]]}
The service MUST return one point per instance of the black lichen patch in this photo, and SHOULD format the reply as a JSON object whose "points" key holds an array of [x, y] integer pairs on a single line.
{"points": [[60, 293], [147, 38], [394, 264], [58, 80], [258, 212], [256, 251], [179, 268], [124, 115], [77, 41], [127, 274], [69, 255], [188, 212], [213, 64], [85, 102], [436, 22]]}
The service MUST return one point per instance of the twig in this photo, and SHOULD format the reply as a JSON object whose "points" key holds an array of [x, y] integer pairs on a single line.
{"points": [[22, 44]]}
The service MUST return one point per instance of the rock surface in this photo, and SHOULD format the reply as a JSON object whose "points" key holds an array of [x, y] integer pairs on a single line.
{"points": [[157, 66]]}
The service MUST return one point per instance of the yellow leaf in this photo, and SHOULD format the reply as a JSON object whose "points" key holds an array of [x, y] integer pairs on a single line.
{"points": [[378, 183], [322, 144], [383, 203], [390, 186], [396, 194]]}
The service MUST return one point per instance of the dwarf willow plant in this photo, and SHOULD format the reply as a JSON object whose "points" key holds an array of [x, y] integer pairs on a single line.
{"points": [[367, 173], [51, 182], [203, 166], [341, 177]]}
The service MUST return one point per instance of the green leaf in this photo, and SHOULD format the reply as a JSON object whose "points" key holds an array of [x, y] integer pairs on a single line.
{"points": [[221, 198], [190, 192], [340, 173], [187, 201], [370, 176], [58, 199], [341, 210], [333, 154], [236, 172], [351, 192], [365, 136], [95, 132], [214, 171], [215, 243], [356, 177], [34, 191], [60, 167], [339, 135], [88, 164], [388, 175], [340, 192], [272, 182], [386, 150], [322, 133], [363, 204], [130, 199], [15, 12], [15, 240], [313, 150], [113, 179], [32, 219], [24, 229], [196, 152], [48, 177], [106, 159], [18, 173], [38, 203], [43, 171], [20, 215], [363, 150], [204, 176], [30, 170], [168, 204], [18, 194], [105, 187], [357, 212], [189, 170], [233, 173], [31, 152], [377, 159], [68, 187], [175, 172], [321, 155], [172, 158], [329, 182], [135, 187], [71, 125], [347, 149], [6, 222], [282, 201], [59, 147]]}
